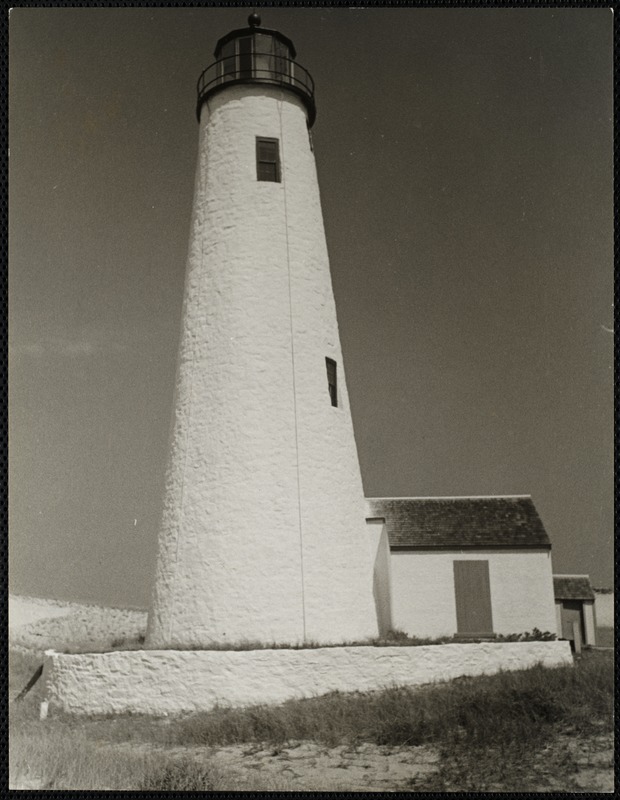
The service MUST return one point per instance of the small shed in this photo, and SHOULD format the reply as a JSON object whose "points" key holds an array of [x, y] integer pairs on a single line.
{"points": [[574, 603], [469, 566]]}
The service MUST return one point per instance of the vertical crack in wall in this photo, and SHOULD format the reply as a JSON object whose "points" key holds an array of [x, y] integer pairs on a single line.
{"points": [[290, 300]]}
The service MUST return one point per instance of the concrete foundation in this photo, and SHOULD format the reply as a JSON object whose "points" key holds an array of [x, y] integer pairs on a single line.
{"points": [[162, 682]]}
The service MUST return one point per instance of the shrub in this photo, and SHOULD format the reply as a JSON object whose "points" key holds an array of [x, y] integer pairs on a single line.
{"points": [[533, 636], [182, 775]]}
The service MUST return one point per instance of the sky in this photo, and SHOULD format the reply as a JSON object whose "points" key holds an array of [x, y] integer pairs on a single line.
{"points": [[465, 166]]}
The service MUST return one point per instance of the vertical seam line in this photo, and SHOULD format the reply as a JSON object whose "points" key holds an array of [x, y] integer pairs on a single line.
{"points": [[290, 300]]}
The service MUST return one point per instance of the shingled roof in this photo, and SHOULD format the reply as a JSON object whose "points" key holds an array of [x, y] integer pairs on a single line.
{"points": [[446, 522], [572, 587]]}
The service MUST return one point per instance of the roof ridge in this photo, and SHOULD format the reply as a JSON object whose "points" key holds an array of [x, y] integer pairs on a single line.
{"points": [[571, 574], [461, 497]]}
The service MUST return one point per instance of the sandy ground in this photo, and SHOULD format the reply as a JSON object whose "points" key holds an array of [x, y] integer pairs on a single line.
{"points": [[307, 766], [38, 624], [26, 610]]}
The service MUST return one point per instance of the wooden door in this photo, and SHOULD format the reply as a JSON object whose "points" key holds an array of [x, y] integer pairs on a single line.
{"points": [[572, 611], [472, 591]]}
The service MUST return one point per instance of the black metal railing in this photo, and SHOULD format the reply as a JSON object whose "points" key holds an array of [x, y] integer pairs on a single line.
{"points": [[257, 68]]}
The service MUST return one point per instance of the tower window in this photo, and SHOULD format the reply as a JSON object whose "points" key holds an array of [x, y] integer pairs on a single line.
{"points": [[332, 383], [267, 159]]}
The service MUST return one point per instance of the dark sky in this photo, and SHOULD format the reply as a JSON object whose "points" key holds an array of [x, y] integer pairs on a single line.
{"points": [[464, 159]]}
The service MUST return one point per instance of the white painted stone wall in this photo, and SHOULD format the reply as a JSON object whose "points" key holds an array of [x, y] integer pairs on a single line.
{"points": [[169, 682], [423, 600], [263, 530]]}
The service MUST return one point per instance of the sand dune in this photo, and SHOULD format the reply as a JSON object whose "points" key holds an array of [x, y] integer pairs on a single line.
{"points": [[40, 624]]}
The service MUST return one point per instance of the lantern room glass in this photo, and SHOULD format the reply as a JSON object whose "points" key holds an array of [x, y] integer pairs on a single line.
{"points": [[258, 55]]}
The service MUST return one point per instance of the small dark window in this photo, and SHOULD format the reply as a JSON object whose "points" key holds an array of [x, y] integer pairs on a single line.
{"points": [[267, 160], [332, 379]]}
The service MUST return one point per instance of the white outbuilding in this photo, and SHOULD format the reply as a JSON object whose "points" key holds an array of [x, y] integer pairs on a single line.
{"points": [[574, 605], [470, 566]]}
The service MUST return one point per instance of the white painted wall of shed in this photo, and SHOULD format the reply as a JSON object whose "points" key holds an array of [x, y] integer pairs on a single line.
{"points": [[604, 605], [382, 579], [589, 622], [263, 528], [423, 600], [173, 681], [558, 618]]}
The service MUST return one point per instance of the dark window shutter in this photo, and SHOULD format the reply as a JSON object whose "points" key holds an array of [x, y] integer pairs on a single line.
{"points": [[267, 160], [267, 172], [267, 150], [332, 380]]}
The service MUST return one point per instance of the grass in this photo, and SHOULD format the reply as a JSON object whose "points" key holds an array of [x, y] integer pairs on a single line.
{"points": [[394, 638], [479, 711], [486, 730], [64, 759], [605, 637]]}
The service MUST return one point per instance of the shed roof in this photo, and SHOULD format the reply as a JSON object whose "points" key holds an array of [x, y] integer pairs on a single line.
{"points": [[572, 587], [457, 522]]}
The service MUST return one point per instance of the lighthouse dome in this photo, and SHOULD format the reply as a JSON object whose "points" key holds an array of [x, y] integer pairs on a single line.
{"points": [[259, 56]]}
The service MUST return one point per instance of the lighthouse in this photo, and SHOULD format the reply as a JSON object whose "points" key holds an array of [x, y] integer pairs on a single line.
{"points": [[263, 533]]}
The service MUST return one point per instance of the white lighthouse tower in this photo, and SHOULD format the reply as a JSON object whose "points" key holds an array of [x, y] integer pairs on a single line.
{"points": [[263, 530]]}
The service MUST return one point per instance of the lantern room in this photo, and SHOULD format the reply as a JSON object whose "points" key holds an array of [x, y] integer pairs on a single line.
{"points": [[259, 56]]}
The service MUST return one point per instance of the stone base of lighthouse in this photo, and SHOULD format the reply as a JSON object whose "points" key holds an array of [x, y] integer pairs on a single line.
{"points": [[172, 681]]}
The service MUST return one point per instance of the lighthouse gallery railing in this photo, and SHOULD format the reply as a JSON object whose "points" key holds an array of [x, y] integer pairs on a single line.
{"points": [[260, 68]]}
